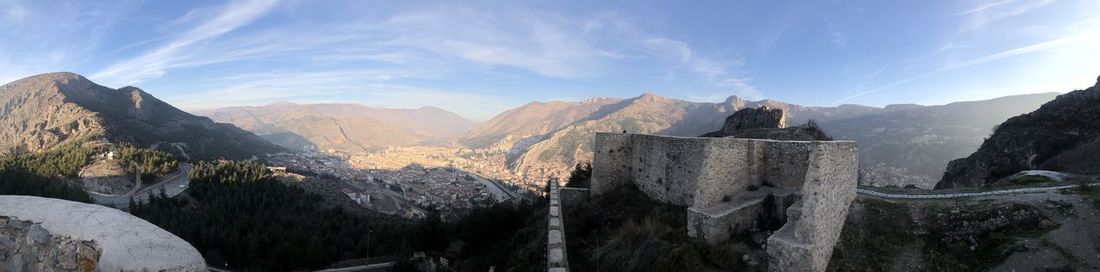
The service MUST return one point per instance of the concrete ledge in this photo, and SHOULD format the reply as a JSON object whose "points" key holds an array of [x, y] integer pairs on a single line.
{"points": [[127, 243]]}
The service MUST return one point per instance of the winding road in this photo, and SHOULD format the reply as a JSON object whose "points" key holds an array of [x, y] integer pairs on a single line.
{"points": [[172, 185], [869, 192]]}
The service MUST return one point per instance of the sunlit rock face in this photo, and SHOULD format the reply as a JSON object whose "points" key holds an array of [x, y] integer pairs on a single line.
{"points": [[46, 234]]}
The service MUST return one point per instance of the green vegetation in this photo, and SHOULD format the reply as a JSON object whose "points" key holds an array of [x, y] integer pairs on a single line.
{"points": [[235, 213], [148, 163], [580, 176], [624, 230], [43, 174], [1028, 180], [973, 236]]}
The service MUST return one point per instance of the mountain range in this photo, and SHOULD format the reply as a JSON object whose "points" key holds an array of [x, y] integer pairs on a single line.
{"points": [[900, 145], [1062, 135], [43, 111], [344, 127]]}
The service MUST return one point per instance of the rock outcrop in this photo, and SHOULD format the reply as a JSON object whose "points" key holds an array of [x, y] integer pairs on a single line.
{"points": [[762, 117], [1062, 135], [46, 234], [43, 111], [767, 123]]}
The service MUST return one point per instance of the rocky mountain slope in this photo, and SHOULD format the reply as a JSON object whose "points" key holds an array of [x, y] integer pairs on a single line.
{"points": [[1062, 135], [910, 145], [42, 111], [555, 151], [344, 127], [533, 119], [900, 145]]}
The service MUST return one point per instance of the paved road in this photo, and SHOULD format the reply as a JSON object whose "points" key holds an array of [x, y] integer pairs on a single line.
{"points": [[171, 185], [369, 267], [870, 192], [494, 188]]}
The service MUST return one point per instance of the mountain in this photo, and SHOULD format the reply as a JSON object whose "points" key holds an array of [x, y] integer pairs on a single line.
{"points": [[533, 119], [1062, 135], [904, 145], [344, 127], [900, 145], [552, 153], [42, 111]]}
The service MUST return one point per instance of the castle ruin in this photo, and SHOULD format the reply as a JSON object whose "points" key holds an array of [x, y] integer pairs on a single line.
{"points": [[730, 185]]}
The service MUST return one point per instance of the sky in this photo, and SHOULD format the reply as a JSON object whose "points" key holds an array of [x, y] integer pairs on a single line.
{"points": [[479, 58]]}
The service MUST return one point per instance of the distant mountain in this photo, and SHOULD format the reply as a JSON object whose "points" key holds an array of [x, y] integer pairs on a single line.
{"points": [[900, 144], [553, 152], [345, 127], [42, 111], [533, 119], [911, 145], [1062, 135]]}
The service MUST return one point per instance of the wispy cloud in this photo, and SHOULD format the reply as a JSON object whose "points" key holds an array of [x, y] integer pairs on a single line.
{"points": [[988, 13], [981, 8], [155, 63], [1032, 48]]}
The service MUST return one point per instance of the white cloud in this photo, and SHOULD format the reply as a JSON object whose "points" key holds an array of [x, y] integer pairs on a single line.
{"points": [[156, 62], [671, 50]]}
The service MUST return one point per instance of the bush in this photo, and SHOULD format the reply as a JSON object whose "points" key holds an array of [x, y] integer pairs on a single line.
{"points": [[581, 175]]}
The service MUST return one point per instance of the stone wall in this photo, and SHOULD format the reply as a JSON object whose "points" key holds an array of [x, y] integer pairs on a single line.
{"points": [[727, 183], [556, 258], [573, 196], [46, 234], [27, 246]]}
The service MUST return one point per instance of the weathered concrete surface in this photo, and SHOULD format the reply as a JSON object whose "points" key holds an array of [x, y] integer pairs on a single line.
{"points": [[126, 243], [725, 183]]}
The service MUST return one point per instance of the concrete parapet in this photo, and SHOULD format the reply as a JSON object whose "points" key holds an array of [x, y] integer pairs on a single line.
{"points": [[62, 235], [556, 257], [729, 183]]}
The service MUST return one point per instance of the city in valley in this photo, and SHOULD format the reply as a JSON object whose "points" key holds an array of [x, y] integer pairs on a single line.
{"points": [[410, 181]]}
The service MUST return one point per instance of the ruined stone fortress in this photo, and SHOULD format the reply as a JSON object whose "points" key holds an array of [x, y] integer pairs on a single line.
{"points": [[731, 185]]}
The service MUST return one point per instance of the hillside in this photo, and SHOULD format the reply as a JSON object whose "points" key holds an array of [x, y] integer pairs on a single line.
{"points": [[344, 127], [899, 144], [911, 145], [1062, 135], [42, 111], [533, 119]]}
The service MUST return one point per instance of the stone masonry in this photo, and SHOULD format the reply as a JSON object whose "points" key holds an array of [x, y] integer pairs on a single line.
{"points": [[46, 234], [27, 246], [729, 185], [556, 258]]}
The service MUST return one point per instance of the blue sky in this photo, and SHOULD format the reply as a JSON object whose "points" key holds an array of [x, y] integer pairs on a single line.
{"points": [[479, 59]]}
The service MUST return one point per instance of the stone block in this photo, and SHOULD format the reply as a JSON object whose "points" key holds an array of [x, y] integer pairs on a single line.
{"points": [[554, 211], [556, 256], [555, 222], [37, 235], [555, 237]]}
